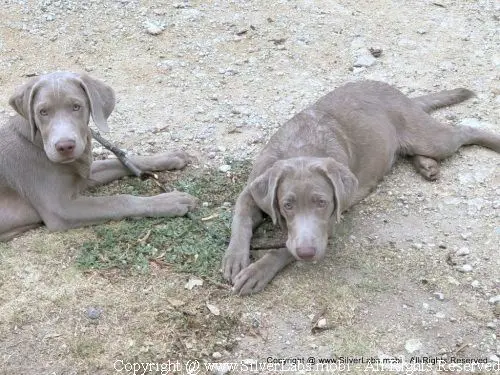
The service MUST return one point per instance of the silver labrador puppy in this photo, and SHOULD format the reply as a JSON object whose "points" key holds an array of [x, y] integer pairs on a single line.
{"points": [[46, 160], [326, 159]]}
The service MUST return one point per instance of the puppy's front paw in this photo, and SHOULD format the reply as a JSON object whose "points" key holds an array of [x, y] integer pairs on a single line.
{"points": [[171, 204], [172, 160], [252, 279], [233, 262]]}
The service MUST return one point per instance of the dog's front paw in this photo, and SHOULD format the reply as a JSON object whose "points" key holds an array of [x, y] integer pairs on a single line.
{"points": [[233, 262], [171, 204], [171, 160], [252, 279]]}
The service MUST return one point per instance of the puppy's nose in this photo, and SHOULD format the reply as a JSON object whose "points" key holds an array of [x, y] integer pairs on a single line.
{"points": [[65, 146], [306, 253]]}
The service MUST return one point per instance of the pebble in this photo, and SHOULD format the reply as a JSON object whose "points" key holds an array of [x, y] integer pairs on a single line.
{"points": [[364, 61], [321, 323], [225, 168], [491, 325], [93, 313], [475, 284], [440, 315], [494, 358], [463, 251], [465, 268], [153, 28], [439, 296], [412, 345], [495, 300], [496, 310], [216, 355]]}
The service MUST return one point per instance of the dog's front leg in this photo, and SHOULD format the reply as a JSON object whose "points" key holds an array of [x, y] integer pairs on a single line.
{"points": [[247, 215], [256, 276], [62, 214], [105, 171]]}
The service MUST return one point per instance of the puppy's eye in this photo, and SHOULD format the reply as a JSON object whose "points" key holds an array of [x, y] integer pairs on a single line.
{"points": [[288, 206], [76, 107], [322, 203], [43, 112]]}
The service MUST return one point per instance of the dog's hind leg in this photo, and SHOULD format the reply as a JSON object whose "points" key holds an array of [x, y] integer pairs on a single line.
{"points": [[427, 167], [427, 137], [17, 217]]}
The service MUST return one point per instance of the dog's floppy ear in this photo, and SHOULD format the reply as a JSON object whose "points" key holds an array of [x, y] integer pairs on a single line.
{"points": [[101, 98], [263, 190], [22, 102], [344, 183]]}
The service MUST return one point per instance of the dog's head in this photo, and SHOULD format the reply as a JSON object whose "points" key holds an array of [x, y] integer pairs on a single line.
{"points": [[59, 106], [308, 195]]}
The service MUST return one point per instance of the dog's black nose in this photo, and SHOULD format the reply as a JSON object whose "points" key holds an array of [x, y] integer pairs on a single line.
{"points": [[306, 253]]}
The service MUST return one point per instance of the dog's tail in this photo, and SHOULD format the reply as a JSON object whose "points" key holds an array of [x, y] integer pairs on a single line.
{"points": [[444, 98]]}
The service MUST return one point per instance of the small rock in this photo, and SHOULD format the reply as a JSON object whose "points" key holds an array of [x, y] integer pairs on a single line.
{"points": [[225, 168], [93, 313], [321, 323], [494, 358], [213, 309], [465, 236], [364, 61], [439, 296], [417, 246], [496, 310], [440, 315], [216, 355], [475, 284], [463, 251], [491, 325], [494, 300], [192, 283], [465, 268], [153, 28], [376, 52], [412, 345]]}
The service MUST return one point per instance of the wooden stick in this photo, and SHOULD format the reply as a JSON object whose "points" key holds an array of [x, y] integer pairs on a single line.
{"points": [[120, 154]]}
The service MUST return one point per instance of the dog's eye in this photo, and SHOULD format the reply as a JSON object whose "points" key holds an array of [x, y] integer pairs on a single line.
{"points": [[322, 203], [76, 107], [43, 112], [288, 206]]}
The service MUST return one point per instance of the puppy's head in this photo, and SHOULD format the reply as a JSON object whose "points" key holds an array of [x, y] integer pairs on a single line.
{"points": [[308, 195], [59, 105]]}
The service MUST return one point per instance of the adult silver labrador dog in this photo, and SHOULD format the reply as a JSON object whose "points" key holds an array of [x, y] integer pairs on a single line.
{"points": [[327, 158], [46, 160]]}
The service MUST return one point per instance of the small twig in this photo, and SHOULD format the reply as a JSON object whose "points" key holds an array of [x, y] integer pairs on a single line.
{"points": [[120, 154], [269, 246]]}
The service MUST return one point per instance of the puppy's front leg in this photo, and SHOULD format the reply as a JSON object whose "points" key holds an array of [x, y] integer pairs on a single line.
{"points": [[247, 215], [256, 276], [105, 171], [61, 214]]}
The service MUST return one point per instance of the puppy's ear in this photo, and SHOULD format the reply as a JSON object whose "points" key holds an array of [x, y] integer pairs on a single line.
{"points": [[22, 102], [264, 187], [101, 98], [344, 183]]}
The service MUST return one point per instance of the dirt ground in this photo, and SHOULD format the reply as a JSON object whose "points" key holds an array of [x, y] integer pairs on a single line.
{"points": [[217, 79]]}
